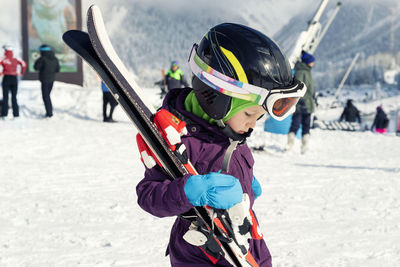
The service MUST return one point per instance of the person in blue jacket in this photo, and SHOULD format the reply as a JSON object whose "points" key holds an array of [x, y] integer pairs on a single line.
{"points": [[108, 99]]}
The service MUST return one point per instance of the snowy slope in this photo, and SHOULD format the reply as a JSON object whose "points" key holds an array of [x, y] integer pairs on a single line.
{"points": [[67, 184], [67, 192]]}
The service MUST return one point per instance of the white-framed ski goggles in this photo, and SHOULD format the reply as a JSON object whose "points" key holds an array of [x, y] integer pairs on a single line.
{"points": [[279, 102]]}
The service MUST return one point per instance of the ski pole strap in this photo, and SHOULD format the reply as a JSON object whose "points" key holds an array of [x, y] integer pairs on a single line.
{"points": [[228, 154]]}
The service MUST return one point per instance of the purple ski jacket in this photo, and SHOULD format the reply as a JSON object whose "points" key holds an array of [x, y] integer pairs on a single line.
{"points": [[161, 197]]}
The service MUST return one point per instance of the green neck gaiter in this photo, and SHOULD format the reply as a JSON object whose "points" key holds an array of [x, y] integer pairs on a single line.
{"points": [[192, 105]]}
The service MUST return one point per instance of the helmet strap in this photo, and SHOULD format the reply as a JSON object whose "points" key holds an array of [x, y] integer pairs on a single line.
{"points": [[228, 154], [220, 123], [235, 139], [231, 134]]}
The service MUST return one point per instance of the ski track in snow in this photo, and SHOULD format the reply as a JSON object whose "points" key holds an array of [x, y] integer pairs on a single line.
{"points": [[67, 192]]}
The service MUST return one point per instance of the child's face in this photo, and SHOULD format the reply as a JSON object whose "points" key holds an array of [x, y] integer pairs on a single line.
{"points": [[245, 119]]}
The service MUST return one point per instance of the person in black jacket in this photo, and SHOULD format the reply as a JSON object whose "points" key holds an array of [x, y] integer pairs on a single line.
{"points": [[47, 65], [381, 121], [350, 113]]}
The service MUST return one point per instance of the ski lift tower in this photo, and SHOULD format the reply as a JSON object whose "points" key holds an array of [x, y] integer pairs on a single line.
{"points": [[309, 40]]}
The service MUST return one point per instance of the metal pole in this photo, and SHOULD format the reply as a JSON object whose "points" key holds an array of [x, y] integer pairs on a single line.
{"points": [[319, 11], [332, 17], [344, 78], [309, 39]]}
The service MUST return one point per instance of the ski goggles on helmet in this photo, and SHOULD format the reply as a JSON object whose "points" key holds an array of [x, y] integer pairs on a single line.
{"points": [[279, 102]]}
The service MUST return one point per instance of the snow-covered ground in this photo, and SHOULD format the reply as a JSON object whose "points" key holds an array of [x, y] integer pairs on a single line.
{"points": [[67, 192]]}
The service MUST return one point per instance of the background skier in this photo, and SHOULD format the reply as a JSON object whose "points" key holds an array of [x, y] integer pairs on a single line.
{"points": [[47, 65], [350, 113], [381, 121], [306, 105], [108, 99], [10, 81], [216, 122], [174, 77]]}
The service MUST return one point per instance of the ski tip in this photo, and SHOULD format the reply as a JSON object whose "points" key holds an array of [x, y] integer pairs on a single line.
{"points": [[90, 11], [94, 9], [94, 16], [94, 6]]}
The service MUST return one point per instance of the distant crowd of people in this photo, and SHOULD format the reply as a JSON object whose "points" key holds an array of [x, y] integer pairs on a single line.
{"points": [[352, 114], [47, 65], [305, 107]]}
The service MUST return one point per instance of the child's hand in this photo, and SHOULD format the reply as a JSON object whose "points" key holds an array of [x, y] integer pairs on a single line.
{"points": [[217, 190], [255, 185]]}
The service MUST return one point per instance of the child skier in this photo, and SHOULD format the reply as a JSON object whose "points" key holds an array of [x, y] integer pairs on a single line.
{"points": [[239, 74]]}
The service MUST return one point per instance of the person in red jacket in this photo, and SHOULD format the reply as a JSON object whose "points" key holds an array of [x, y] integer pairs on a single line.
{"points": [[10, 82]]}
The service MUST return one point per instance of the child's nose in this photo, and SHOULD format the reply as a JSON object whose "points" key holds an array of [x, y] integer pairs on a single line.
{"points": [[251, 124]]}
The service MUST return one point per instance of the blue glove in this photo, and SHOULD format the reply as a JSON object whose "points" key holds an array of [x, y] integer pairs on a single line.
{"points": [[217, 190], [255, 185]]}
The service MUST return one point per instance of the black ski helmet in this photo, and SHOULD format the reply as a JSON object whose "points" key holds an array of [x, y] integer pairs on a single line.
{"points": [[243, 54]]}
